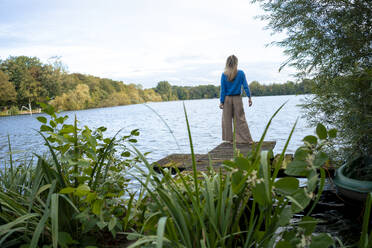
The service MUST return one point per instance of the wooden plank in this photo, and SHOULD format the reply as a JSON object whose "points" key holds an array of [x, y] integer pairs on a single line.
{"points": [[225, 150], [222, 152]]}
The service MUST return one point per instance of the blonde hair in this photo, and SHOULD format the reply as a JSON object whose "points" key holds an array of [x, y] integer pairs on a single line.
{"points": [[231, 68]]}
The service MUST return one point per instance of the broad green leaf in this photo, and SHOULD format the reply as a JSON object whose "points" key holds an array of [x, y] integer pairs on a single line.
{"points": [[259, 194], [45, 128], [67, 190], [236, 181], [92, 141], [311, 139], [301, 154], [332, 133], [242, 163], [297, 168], [91, 196], [229, 163], [322, 240], [112, 223], [96, 208], [135, 132], [300, 199], [312, 181], [42, 119], [321, 131], [285, 216], [52, 123], [320, 159], [82, 190], [284, 244], [102, 129], [287, 185], [60, 120], [67, 129], [125, 154], [290, 236], [259, 235], [308, 223]]}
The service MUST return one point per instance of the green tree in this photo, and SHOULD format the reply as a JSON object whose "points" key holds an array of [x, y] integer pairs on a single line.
{"points": [[256, 88], [18, 68], [8, 95], [331, 41], [31, 91], [326, 37], [164, 89]]}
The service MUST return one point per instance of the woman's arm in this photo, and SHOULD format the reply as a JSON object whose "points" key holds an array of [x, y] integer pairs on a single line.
{"points": [[247, 91], [246, 87], [222, 91]]}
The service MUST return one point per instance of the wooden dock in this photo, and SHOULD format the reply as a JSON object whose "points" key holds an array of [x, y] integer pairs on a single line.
{"points": [[216, 156]]}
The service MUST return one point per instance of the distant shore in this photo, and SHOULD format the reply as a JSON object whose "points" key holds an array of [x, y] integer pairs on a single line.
{"points": [[38, 110], [20, 112]]}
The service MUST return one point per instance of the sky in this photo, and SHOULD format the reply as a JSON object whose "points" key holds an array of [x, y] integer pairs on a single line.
{"points": [[185, 42]]}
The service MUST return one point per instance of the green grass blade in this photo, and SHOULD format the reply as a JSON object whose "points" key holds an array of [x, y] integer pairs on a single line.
{"points": [[166, 124], [76, 151], [55, 159], [160, 232], [258, 147], [41, 225], [9, 233], [68, 200], [10, 156], [7, 227], [192, 155], [281, 158], [54, 218]]}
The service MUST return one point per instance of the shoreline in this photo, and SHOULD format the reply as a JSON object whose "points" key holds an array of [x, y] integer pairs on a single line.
{"points": [[4, 114], [38, 111]]}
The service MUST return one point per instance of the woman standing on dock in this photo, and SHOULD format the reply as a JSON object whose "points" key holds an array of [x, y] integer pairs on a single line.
{"points": [[232, 81]]}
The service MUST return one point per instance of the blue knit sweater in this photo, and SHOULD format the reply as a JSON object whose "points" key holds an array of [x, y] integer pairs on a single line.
{"points": [[235, 87]]}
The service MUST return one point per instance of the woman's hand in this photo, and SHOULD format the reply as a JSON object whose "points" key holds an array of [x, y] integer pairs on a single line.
{"points": [[249, 102], [221, 105]]}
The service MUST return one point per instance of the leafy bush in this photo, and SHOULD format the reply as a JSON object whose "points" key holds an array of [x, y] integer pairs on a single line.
{"points": [[71, 197], [346, 104]]}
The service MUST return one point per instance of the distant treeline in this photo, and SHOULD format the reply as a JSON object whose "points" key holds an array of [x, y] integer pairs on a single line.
{"points": [[26, 80], [169, 92]]}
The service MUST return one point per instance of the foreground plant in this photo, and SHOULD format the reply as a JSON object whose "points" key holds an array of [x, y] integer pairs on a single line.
{"points": [[242, 206], [73, 196]]}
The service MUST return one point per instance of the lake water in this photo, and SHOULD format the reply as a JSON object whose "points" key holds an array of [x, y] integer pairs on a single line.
{"points": [[204, 117]]}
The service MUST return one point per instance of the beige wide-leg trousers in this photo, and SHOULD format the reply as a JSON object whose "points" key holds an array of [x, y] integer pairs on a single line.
{"points": [[233, 109]]}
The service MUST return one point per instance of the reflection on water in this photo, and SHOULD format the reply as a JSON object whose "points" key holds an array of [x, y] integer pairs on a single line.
{"points": [[204, 117]]}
